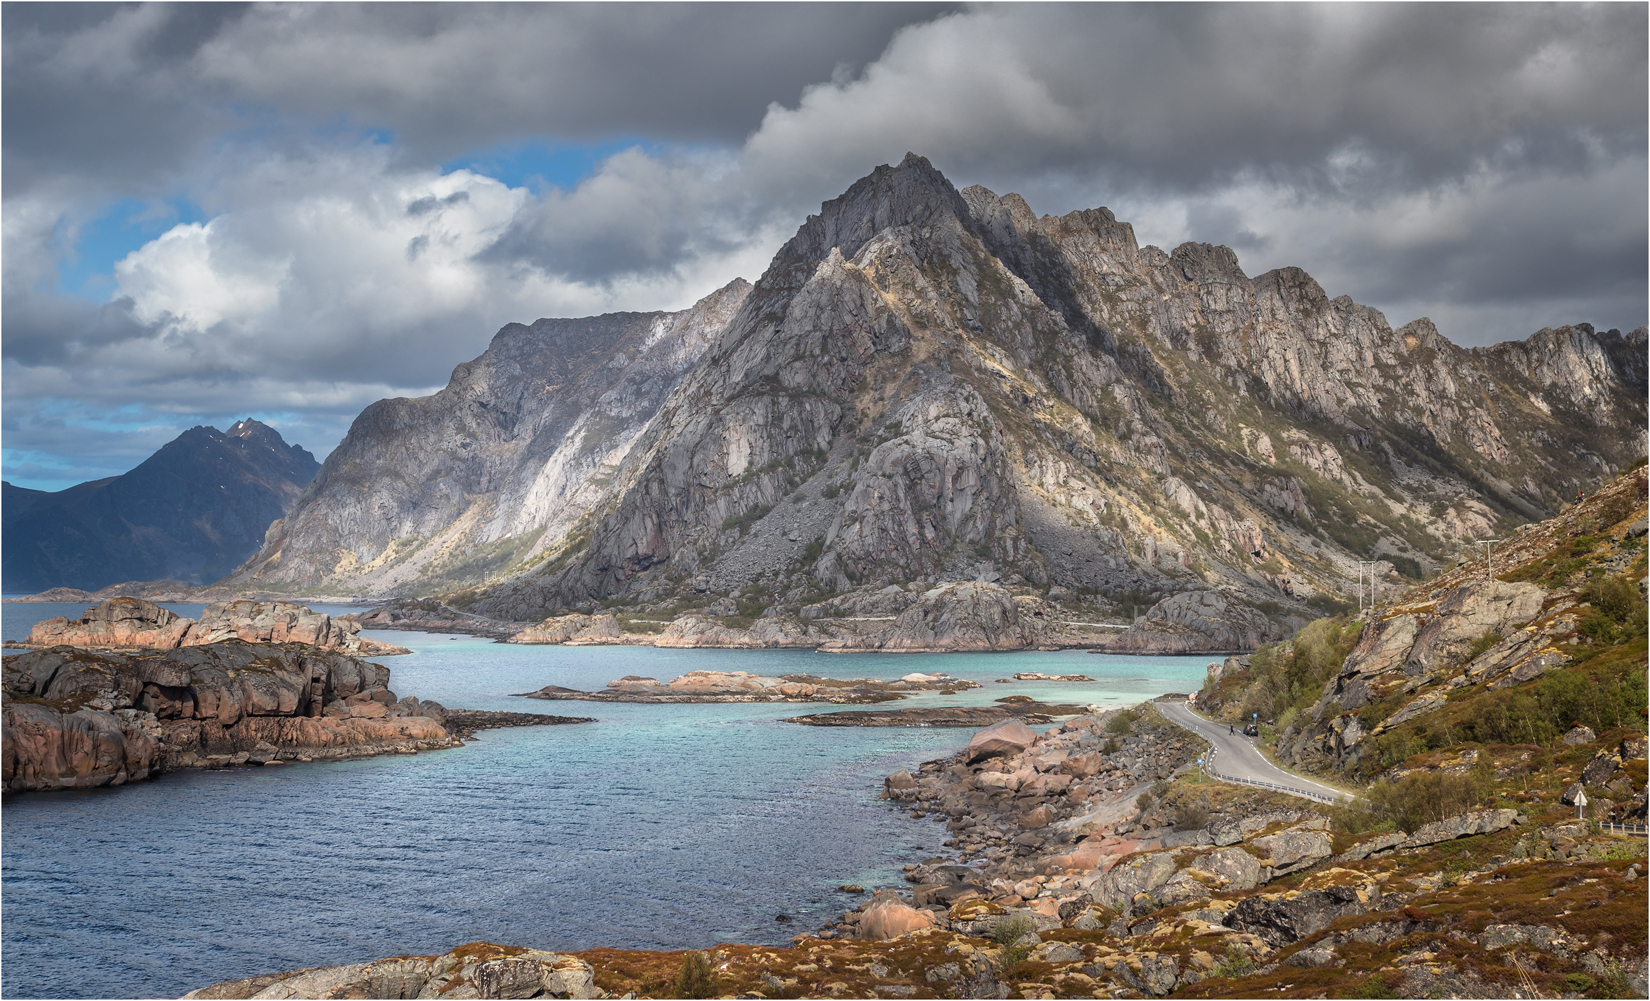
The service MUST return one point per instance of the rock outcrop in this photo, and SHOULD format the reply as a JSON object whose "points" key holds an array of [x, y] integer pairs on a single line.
{"points": [[1195, 622], [135, 624], [477, 970], [1464, 635], [75, 718]]}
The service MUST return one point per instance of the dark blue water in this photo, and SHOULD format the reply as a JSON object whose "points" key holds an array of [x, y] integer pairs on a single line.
{"points": [[656, 827]]}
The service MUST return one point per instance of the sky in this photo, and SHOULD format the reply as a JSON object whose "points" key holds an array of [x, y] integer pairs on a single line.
{"points": [[289, 211]]}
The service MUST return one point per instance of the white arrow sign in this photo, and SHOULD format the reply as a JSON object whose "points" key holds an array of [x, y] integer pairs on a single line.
{"points": [[1581, 799]]}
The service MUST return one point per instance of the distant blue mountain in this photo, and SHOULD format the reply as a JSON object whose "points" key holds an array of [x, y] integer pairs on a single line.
{"points": [[191, 512]]}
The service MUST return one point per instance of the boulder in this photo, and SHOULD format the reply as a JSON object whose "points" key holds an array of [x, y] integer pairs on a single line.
{"points": [[1281, 919], [1042, 816], [1600, 769], [1234, 867], [1003, 739], [1288, 851], [1118, 887], [1314, 958], [1366, 848], [1578, 735], [1182, 888], [886, 919], [1157, 975], [1569, 795]]}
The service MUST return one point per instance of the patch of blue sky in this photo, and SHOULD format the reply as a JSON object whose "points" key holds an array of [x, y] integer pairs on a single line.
{"points": [[49, 472], [539, 164], [86, 265]]}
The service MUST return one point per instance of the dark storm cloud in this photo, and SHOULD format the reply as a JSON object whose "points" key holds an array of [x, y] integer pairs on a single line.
{"points": [[123, 93], [1484, 164]]}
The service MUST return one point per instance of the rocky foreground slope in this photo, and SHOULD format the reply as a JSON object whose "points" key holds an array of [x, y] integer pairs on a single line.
{"points": [[1094, 860]]}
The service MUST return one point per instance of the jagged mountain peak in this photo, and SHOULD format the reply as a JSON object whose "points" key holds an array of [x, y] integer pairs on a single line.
{"points": [[927, 381], [911, 194]]}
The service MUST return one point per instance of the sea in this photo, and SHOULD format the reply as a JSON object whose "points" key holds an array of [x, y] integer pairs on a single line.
{"points": [[654, 827]]}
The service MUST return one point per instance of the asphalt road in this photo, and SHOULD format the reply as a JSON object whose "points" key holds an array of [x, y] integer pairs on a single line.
{"points": [[1236, 755]]}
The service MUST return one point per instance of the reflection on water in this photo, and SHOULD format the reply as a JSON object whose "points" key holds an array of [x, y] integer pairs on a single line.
{"points": [[656, 827]]}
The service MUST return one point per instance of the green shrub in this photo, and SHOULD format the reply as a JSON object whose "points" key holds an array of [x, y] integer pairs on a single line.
{"points": [[1406, 566], [1011, 930], [1424, 797], [1191, 816], [1372, 987], [1144, 802], [697, 977], [1122, 723], [1234, 964]]}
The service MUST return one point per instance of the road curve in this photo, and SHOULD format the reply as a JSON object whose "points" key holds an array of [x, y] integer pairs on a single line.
{"points": [[1235, 755]]}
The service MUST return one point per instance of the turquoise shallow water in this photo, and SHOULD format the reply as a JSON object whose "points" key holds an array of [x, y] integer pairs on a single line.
{"points": [[655, 827]]}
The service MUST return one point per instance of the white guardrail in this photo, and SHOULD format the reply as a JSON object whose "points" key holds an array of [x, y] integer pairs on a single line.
{"points": [[1625, 828], [1209, 769]]}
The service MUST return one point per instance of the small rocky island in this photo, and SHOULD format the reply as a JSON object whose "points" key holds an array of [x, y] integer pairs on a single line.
{"points": [[75, 717], [1017, 707], [742, 686], [125, 624]]}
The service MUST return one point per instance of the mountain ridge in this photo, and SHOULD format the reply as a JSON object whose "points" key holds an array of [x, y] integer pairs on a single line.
{"points": [[191, 511], [929, 384]]}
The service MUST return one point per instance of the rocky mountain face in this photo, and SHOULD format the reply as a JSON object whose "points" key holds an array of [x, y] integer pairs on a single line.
{"points": [[1553, 642], [431, 493], [930, 385], [191, 512]]}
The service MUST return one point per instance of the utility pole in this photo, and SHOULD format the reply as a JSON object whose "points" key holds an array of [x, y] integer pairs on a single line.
{"points": [[1489, 555], [1370, 566]]}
